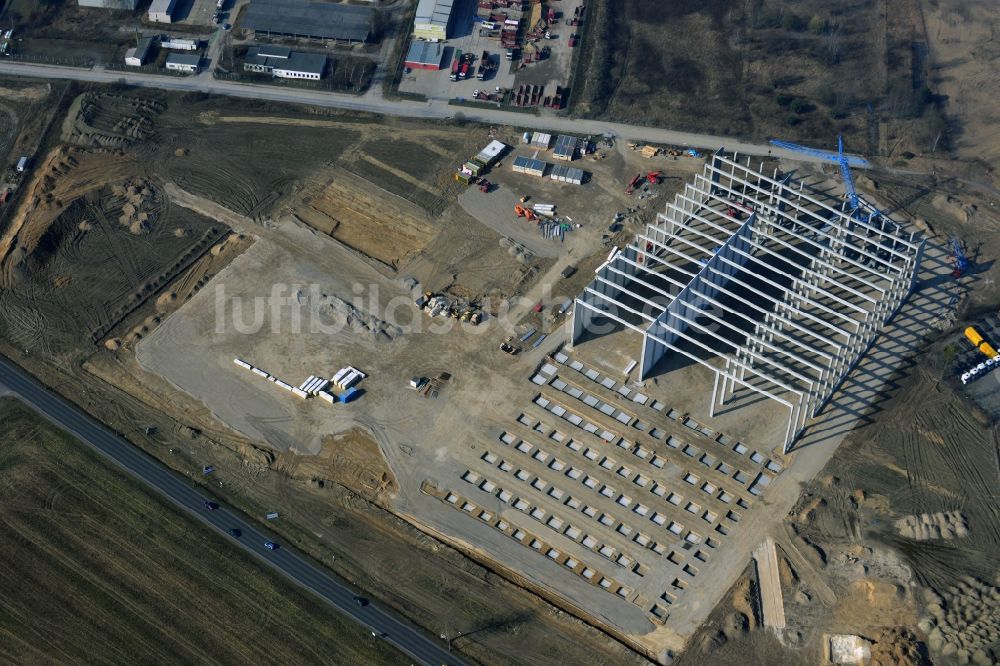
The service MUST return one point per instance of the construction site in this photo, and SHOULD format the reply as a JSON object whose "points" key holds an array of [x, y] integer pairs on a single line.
{"points": [[553, 397]]}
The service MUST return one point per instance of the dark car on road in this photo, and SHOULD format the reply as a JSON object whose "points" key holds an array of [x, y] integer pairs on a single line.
{"points": [[211, 506], [270, 545], [361, 601], [235, 533]]}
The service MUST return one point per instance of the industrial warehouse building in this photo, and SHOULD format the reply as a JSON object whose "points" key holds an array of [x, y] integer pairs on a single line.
{"points": [[774, 291], [124, 5], [565, 148], [310, 20], [162, 11], [424, 55], [183, 62], [529, 165], [137, 56], [283, 63], [433, 19]]}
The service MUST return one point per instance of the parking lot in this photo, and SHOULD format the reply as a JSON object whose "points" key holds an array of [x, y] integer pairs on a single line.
{"points": [[550, 72]]}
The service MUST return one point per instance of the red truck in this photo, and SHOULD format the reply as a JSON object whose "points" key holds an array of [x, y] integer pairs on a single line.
{"points": [[456, 65]]}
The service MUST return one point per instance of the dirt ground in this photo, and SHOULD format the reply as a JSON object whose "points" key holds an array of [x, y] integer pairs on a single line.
{"points": [[764, 69], [66, 32], [198, 195], [99, 565], [149, 205]]}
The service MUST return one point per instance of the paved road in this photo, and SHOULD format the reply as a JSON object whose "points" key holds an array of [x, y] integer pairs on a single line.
{"points": [[181, 492], [375, 103]]}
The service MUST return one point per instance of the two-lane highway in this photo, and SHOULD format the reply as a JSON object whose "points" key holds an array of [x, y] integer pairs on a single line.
{"points": [[178, 490]]}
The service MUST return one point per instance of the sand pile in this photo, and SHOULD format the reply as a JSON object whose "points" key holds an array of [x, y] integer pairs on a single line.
{"points": [[946, 525], [896, 646], [963, 621], [136, 210]]}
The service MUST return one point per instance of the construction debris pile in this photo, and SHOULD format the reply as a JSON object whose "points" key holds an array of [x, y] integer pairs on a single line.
{"points": [[544, 215], [439, 305]]}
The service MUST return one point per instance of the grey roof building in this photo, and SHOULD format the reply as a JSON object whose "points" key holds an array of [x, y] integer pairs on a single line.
{"points": [[162, 11], [285, 63], [136, 57], [314, 20], [565, 148], [270, 51], [529, 165], [187, 62]]}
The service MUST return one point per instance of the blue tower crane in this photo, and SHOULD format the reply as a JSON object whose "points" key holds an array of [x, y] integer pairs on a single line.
{"points": [[844, 161]]}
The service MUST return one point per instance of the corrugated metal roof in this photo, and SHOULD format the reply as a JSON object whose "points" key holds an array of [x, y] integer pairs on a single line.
{"points": [[162, 7], [434, 12], [311, 19], [426, 53]]}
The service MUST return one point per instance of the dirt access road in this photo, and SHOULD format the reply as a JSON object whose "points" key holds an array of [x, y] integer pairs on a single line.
{"points": [[376, 104]]}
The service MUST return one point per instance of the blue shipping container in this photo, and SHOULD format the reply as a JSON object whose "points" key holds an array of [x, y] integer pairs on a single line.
{"points": [[348, 395]]}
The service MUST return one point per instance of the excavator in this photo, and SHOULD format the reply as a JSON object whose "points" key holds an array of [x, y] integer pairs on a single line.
{"points": [[654, 177], [634, 183], [527, 213]]}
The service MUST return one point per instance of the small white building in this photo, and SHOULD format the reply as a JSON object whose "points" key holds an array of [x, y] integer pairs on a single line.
{"points": [[183, 62], [162, 11], [491, 152], [22, 164], [180, 44]]}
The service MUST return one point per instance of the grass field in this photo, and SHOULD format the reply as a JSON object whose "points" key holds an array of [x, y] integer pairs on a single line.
{"points": [[99, 570]]}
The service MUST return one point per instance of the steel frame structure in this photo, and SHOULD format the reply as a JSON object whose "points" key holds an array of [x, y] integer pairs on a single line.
{"points": [[789, 298]]}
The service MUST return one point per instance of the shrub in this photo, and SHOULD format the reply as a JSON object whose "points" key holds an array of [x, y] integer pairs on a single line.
{"points": [[802, 106]]}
